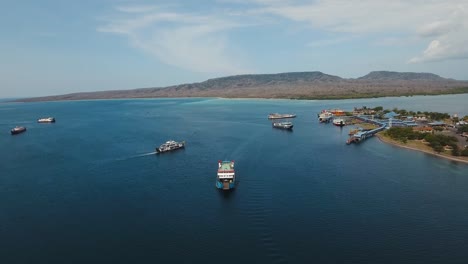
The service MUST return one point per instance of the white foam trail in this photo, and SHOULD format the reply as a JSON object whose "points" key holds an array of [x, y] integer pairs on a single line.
{"points": [[146, 154], [136, 156]]}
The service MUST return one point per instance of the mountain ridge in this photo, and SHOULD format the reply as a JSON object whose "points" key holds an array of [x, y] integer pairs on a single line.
{"points": [[389, 75], [292, 85]]}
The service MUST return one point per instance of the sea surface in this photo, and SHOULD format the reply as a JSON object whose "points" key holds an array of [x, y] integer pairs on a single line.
{"points": [[89, 188]]}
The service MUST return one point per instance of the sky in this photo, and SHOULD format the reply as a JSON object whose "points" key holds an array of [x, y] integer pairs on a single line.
{"points": [[52, 47]]}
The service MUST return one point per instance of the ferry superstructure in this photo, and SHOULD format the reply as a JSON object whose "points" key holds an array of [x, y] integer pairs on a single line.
{"points": [[339, 122], [18, 130], [46, 120], [325, 116], [280, 116], [283, 125], [170, 146], [226, 177]]}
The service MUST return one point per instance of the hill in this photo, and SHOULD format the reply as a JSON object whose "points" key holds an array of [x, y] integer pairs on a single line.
{"points": [[293, 85], [407, 76]]}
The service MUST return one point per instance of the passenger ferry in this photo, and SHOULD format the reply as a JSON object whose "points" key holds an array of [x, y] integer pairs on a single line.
{"points": [[46, 120], [283, 125], [18, 130], [280, 116], [226, 178], [170, 146], [325, 116], [339, 122]]}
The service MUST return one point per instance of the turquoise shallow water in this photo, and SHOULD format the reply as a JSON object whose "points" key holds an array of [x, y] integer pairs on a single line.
{"points": [[88, 190]]}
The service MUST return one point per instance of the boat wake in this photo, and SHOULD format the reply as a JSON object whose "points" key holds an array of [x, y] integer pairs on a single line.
{"points": [[145, 154], [135, 156]]}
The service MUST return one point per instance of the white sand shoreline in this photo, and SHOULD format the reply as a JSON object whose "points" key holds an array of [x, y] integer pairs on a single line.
{"points": [[383, 139]]}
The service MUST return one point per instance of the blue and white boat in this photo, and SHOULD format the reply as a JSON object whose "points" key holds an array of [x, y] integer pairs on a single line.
{"points": [[226, 178]]}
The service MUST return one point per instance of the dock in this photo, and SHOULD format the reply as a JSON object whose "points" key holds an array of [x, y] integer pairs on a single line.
{"points": [[363, 135], [381, 123]]}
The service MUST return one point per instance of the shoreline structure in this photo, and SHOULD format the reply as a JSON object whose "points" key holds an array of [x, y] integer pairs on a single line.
{"points": [[397, 144]]}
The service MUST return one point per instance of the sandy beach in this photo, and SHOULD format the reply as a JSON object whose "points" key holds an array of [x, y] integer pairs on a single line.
{"points": [[431, 152]]}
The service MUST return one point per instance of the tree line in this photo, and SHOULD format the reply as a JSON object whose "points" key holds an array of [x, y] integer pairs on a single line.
{"points": [[436, 141]]}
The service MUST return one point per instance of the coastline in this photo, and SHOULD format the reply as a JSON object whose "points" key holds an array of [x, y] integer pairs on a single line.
{"points": [[135, 94], [394, 143], [89, 96]]}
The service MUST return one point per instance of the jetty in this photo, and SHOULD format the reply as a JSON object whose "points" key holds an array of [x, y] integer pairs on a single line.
{"points": [[363, 135], [381, 123]]}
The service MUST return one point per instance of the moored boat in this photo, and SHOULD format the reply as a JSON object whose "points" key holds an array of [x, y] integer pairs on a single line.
{"points": [[226, 177], [325, 116], [337, 112], [280, 116], [170, 146], [283, 125], [46, 120], [339, 122], [18, 130]]}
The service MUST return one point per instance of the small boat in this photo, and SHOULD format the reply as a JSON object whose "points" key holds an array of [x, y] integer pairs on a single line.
{"points": [[226, 178], [339, 122], [280, 116], [46, 120], [170, 146], [283, 125], [18, 130]]}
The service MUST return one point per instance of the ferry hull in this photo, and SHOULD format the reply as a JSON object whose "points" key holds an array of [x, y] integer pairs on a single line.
{"points": [[283, 126], [158, 151], [16, 132], [324, 119], [227, 186]]}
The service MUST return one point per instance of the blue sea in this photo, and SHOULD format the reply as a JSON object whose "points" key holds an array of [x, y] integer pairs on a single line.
{"points": [[89, 188]]}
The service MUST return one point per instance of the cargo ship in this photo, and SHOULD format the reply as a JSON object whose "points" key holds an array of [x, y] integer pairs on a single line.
{"points": [[280, 116], [283, 125], [226, 178], [18, 130], [170, 146], [46, 120]]}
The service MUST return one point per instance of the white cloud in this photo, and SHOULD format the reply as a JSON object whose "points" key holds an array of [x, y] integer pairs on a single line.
{"points": [[446, 20], [136, 9], [194, 42], [326, 42], [199, 41], [443, 50]]}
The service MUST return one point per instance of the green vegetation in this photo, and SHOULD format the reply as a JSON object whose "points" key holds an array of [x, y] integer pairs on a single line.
{"points": [[436, 116], [464, 152], [436, 141], [429, 115], [360, 95], [404, 134], [463, 128], [378, 108]]}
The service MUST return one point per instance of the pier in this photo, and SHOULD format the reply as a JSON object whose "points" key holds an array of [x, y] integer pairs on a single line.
{"points": [[363, 135], [382, 123]]}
